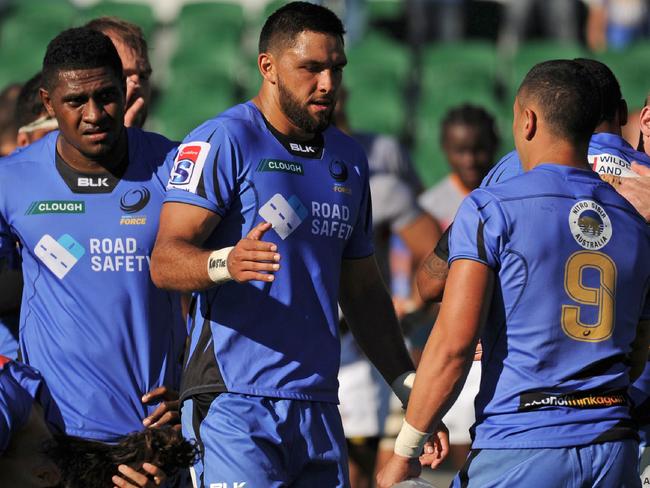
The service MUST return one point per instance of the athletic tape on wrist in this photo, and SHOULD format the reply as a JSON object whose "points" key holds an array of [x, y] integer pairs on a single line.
{"points": [[402, 386], [410, 441], [218, 265]]}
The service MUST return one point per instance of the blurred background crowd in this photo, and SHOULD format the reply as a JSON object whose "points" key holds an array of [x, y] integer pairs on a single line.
{"points": [[410, 60]]}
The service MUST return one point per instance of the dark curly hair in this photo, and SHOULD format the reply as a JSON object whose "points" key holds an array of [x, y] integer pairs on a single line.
{"points": [[92, 464], [474, 116], [79, 48], [291, 19]]}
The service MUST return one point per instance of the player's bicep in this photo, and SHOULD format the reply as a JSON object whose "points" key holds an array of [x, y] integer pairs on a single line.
{"points": [[185, 222]]}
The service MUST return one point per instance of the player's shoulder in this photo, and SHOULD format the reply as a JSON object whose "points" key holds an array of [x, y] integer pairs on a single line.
{"points": [[40, 152], [236, 123], [150, 141], [506, 168], [344, 145]]}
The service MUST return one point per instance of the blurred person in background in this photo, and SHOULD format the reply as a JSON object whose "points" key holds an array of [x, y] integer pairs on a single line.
{"points": [[8, 129], [31, 116], [469, 140], [132, 48], [394, 185], [614, 24]]}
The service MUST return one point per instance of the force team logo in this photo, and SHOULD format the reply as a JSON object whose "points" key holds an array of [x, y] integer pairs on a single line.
{"points": [[590, 225], [59, 255], [188, 166], [284, 215]]}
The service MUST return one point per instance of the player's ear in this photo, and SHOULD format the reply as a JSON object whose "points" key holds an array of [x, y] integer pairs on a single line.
{"points": [[22, 139], [266, 64], [644, 121], [622, 111], [47, 102], [530, 124]]}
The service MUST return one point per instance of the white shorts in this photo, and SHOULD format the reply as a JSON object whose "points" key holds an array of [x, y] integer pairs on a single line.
{"points": [[460, 416], [364, 395]]}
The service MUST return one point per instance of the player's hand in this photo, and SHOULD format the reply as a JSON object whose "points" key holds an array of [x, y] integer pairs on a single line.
{"points": [[132, 117], [252, 259], [636, 190], [398, 468], [167, 411], [130, 478], [436, 448]]}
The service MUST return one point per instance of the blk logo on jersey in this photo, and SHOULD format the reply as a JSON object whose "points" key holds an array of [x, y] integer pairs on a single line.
{"points": [[60, 255], [590, 225], [92, 182], [302, 149], [284, 215], [608, 164], [188, 166]]}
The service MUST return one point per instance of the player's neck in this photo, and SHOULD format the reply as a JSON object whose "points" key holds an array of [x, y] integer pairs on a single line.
{"points": [[82, 163], [609, 127], [560, 152], [270, 108]]}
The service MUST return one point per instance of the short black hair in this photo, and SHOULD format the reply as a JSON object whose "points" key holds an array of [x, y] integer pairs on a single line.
{"points": [[130, 34], [79, 48], [291, 19], [567, 96], [29, 106], [610, 90], [472, 115], [91, 464]]}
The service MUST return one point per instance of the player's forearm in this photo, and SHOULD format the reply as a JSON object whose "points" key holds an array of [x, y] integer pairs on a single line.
{"points": [[439, 379], [180, 265], [371, 317]]}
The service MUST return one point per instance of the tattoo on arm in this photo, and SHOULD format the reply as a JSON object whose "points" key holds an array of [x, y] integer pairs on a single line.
{"points": [[435, 267]]}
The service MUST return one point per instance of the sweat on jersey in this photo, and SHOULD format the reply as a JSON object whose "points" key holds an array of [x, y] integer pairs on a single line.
{"points": [[20, 387], [92, 321], [276, 339], [572, 274]]}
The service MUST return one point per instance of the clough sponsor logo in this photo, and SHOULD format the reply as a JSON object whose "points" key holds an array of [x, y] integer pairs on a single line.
{"points": [[292, 167], [56, 207]]}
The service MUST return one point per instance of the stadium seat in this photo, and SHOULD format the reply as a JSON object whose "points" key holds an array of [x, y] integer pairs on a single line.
{"points": [[140, 14], [632, 71], [210, 22], [382, 10]]}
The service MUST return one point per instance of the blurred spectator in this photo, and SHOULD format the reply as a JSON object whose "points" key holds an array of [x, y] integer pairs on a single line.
{"points": [[8, 129], [613, 24], [469, 139], [364, 395], [31, 117], [132, 49], [442, 20]]}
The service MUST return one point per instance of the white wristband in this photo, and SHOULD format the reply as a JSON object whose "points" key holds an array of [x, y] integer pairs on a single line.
{"points": [[410, 441], [402, 386], [218, 265]]}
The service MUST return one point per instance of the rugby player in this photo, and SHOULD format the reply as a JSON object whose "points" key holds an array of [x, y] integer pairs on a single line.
{"points": [[557, 360], [106, 340], [31, 116], [268, 217]]}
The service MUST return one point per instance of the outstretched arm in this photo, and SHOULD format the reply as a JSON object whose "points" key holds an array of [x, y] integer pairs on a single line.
{"points": [[180, 262], [444, 365]]}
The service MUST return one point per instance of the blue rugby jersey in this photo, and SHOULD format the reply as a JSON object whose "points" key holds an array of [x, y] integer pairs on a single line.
{"points": [[20, 387], [570, 257], [608, 154], [276, 339], [91, 319]]}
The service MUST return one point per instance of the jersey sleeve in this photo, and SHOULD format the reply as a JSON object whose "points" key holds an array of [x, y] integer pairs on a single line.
{"points": [[205, 170], [360, 243], [399, 205], [479, 232], [508, 167]]}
